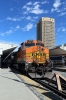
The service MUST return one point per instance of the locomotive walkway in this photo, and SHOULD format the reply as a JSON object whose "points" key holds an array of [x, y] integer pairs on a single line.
{"points": [[12, 88]]}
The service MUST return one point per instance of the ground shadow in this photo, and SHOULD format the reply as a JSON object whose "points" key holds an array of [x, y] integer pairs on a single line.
{"points": [[24, 82], [52, 96]]}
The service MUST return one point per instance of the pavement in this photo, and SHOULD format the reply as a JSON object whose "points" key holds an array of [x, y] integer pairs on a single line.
{"points": [[12, 88]]}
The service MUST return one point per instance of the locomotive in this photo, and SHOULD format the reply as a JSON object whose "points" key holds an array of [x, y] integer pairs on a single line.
{"points": [[32, 57]]}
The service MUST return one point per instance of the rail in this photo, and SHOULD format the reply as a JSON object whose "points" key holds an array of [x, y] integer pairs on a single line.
{"points": [[52, 88], [59, 89]]}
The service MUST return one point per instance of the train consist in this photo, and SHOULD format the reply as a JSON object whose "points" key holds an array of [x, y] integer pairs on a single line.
{"points": [[32, 57], [59, 60]]}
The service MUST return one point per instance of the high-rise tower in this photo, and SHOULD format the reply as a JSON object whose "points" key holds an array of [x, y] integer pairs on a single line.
{"points": [[46, 31]]}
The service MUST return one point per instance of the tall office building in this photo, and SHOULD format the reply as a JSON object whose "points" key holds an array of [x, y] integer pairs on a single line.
{"points": [[46, 31]]}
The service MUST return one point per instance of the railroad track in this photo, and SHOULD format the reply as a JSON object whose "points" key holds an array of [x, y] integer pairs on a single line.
{"points": [[52, 86], [54, 82]]}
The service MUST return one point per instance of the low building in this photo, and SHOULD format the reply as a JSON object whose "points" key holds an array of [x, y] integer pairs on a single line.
{"points": [[58, 50], [5, 50], [58, 55]]}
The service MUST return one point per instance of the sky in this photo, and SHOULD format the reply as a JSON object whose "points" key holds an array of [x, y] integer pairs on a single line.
{"points": [[18, 19]]}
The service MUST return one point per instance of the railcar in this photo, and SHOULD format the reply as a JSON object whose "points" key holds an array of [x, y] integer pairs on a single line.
{"points": [[32, 57], [59, 60]]}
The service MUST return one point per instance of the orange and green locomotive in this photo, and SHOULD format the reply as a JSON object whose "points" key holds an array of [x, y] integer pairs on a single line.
{"points": [[32, 56]]}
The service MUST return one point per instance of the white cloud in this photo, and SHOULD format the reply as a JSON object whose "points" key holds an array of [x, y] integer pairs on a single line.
{"points": [[56, 4], [62, 29], [35, 3], [37, 10], [52, 10], [44, 2], [31, 18], [28, 18], [62, 14], [28, 27], [14, 19], [35, 17], [24, 6], [28, 8], [46, 11], [29, 3], [12, 30], [34, 8], [17, 27], [6, 33], [9, 32]]}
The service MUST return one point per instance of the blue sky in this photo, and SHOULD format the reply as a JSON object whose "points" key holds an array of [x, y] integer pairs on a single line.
{"points": [[18, 19]]}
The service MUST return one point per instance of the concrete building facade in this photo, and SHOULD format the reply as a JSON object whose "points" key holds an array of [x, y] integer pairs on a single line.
{"points": [[46, 31]]}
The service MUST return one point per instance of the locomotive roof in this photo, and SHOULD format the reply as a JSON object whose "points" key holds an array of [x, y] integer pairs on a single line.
{"points": [[32, 41]]}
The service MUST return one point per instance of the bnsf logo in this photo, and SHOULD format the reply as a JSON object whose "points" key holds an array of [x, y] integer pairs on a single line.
{"points": [[38, 54]]}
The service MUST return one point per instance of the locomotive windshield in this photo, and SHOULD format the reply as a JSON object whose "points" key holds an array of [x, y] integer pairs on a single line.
{"points": [[29, 44], [40, 44]]}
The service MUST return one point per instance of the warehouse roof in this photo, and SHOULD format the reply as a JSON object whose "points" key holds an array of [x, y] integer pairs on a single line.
{"points": [[7, 48], [58, 50]]}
